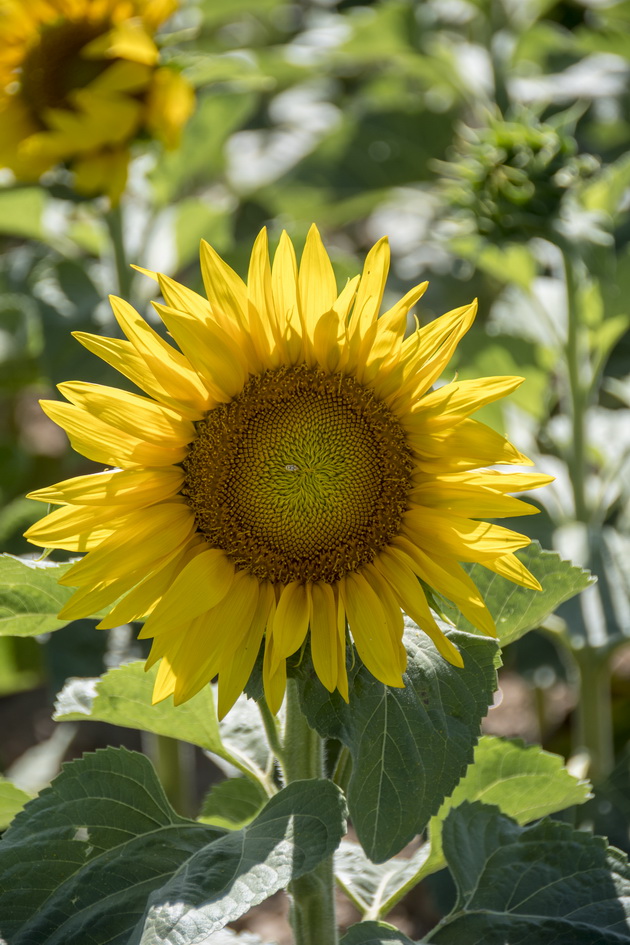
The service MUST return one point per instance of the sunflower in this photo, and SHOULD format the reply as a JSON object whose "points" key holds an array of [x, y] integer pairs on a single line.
{"points": [[290, 474], [79, 81]]}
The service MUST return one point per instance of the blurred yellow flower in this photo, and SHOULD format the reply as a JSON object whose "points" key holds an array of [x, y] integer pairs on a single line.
{"points": [[290, 470], [79, 82]]}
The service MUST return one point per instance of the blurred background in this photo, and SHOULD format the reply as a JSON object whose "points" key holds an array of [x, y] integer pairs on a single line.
{"points": [[489, 140]]}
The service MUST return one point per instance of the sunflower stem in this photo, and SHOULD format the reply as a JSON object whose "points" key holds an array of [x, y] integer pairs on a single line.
{"points": [[174, 762], [115, 228], [271, 730], [594, 728], [577, 398], [312, 896]]}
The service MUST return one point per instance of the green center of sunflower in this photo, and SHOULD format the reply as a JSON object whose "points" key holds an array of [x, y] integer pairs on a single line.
{"points": [[54, 66], [304, 476]]}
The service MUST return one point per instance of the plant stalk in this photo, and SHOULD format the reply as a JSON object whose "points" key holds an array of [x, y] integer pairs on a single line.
{"points": [[174, 762], [124, 272], [312, 896], [577, 390], [594, 725]]}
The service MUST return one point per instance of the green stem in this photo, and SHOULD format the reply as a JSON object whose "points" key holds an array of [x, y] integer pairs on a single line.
{"points": [[343, 769], [174, 762], [271, 729], [577, 399], [593, 713], [313, 895], [124, 272]]}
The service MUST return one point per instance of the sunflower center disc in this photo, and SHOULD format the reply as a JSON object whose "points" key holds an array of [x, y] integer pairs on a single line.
{"points": [[303, 476], [54, 66]]}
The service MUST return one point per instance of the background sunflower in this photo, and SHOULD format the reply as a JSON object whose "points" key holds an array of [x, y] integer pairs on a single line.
{"points": [[80, 81]]}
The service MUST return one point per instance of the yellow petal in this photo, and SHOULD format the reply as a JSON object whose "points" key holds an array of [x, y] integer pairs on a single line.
{"points": [[389, 335], [342, 673], [199, 587], [237, 668], [105, 444], [140, 538], [448, 578], [391, 609], [128, 39], [290, 621], [371, 288], [432, 370], [468, 445], [136, 487], [142, 599], [460, 538], [316, 281], [284, 282], [208, 643], [170, 102], [183, 299], [417, 351], [274, 680], [209, 349], [170, 369], [63, 527], [324, 634], [508, 566], [413, 600], [130, 413], [469, 501], [369, 629], [327, 339], [343, 304], [90, 600], [125, 359], [453, 402], [224, 288], [498, 481]]}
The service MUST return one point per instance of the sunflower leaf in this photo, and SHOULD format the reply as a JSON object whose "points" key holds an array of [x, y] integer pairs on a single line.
{"points": [[101, 856], [420, 740], [537, 884], [295, 831], [515, 609], [12, 800], [123, 697], [525, 782], [232, 803], [30, 597], [374, 933]]}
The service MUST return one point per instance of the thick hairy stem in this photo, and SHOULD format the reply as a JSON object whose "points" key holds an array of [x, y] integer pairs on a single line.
{"points": [[312, 896]]}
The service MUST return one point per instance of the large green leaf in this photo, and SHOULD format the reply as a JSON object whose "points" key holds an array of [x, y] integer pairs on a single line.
{"points": [[101, 856], [232, 803], [30, 597], [534, 885], [79, 861], [517, 609], [409, 746], [123, 697], [298, 828], [12, 800], [524, 782], [374, 933]]}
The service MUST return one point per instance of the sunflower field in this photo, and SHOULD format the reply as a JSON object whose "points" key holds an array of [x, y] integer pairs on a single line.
{"points": [[314, 472]]}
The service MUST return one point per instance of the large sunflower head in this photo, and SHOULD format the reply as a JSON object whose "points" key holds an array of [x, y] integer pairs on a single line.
{"points": [[290, 475], [80, 81]]}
